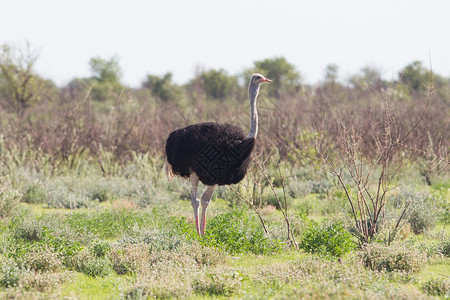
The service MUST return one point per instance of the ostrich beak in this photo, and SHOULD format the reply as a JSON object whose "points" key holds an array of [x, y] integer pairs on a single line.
{"points": [[266, 80]]}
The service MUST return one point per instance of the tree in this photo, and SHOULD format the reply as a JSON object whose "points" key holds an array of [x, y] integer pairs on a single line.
{"points": [[105, 70], [368, 76], [218, 85], [19, 85], [162, 87], [415, 76], [331, 74], [285, 78], [106, 75], [417, 79]]}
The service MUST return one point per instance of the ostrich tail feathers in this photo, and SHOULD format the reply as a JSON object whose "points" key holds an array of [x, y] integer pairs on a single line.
{"points": [[169, 171]]}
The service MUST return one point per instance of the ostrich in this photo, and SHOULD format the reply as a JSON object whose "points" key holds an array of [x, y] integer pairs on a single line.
{"points": [[213, 153]]}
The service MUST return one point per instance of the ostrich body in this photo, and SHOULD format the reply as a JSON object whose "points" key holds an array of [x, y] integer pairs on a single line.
{"points": [[213, 153]]}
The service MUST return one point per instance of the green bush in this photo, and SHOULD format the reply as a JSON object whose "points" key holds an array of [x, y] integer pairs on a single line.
{"points": [[34, 194], [238, 232], [9, 273], [90, 265], [444, 248], [328, 238], [392, 258], [27, 227], [101, 195], [437, 287], [272, 198], [100, 249]]}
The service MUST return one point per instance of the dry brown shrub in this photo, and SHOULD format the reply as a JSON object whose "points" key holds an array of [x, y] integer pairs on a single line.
{"points": [[44, 281], [130, 259], [43, 259]]}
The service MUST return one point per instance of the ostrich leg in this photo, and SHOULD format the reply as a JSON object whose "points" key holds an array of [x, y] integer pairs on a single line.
{"points": [[206, 198], [194, 201]]}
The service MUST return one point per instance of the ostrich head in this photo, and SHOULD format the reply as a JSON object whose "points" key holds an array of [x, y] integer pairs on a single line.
{"points": [[253, 87], [258, 78]]}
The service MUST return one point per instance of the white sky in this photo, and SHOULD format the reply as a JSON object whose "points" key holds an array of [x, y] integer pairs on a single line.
{"points": [[155, 37]]}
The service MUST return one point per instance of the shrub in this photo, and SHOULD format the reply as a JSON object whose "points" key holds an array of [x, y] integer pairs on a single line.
{"points": [[437, 287], [9, 273], [218, 284], [63, 198], [101, 195], [34, 194], [271, 198], [298, 188], [27, 227], [238, 232], [44, 281], [444, 248], [9, 199], [93, 266], [328, 238], [100, 249], [130, 258], [204, 256], [166, 275], [165, 241], [66, 249], [42, 259], [160, 289], [422, 211], [321, 186], [392, 258]]}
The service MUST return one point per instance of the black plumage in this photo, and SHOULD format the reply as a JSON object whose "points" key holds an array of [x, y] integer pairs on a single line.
{"points": [[217, 153]]}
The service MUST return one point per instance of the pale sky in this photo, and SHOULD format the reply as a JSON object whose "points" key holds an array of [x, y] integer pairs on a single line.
{"points": [[155, 37]]}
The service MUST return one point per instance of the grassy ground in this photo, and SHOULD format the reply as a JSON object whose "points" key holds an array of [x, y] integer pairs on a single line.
{"points": [[81, 235]]}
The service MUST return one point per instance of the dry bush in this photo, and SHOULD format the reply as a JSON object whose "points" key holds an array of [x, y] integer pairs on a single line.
{"points": [[43, 259], [393, 258], [64, 129], [364, 158], [204, 256], [9, 199], [44, 281], [218, 284], [130, 259]]}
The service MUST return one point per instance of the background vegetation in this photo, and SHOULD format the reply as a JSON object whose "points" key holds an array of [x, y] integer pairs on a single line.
{"points": [[347, 196]]}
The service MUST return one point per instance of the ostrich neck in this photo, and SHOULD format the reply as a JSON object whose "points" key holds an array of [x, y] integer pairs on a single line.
{"points": [[253, 95]]}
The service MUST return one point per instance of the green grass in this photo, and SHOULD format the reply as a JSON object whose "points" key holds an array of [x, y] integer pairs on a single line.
{"points": [[140, 240], [87, 287]]}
